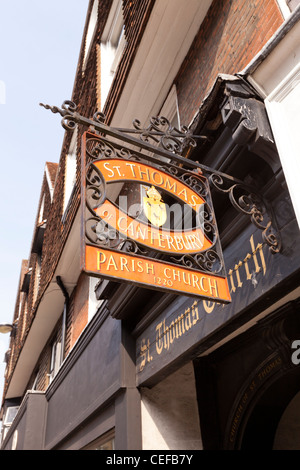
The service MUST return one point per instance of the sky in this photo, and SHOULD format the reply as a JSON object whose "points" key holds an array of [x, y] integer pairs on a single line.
{"points": [[39, 48]]}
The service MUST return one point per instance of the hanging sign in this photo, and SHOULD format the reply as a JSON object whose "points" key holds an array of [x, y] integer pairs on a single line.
{"points": [[151, 225]]}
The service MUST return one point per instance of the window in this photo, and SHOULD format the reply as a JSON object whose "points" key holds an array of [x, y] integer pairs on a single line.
{"points": [[292, 4], [111, 48], [94, 303], [24, 317], [34, 385], [10, 415], [105, 442], [287, 6], [37, 275], [55, 359]]}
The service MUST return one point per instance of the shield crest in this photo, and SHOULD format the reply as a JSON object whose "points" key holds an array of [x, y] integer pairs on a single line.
{"points": [[154, 208]]}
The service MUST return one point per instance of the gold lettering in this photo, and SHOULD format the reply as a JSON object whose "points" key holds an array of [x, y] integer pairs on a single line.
{"points": [[262, 258], [118, 169], [213, 287], [106, 165], [124, 263], [195, 313], [188, 280], [233, 288], [143, 233], [200, 240], [202, 278], [236, 267], [172, 332], [99, 259], [208, 306], [166, 336], [119, 224], [161, 240], [269, 368], [165, 273], [188, 323], [159, 343], [179, 322], [111, 262], [149, 267], [170, 242], [160, 182], [171, 187], [195, 281], [144, 353], [178, 242], [249, 275], [144, 173], [184, 193], [130, 229], [140, 266], [193, 203], [131, 165]]}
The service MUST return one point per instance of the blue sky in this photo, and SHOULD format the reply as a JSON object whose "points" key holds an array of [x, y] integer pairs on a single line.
{"points": [[39, 48]]}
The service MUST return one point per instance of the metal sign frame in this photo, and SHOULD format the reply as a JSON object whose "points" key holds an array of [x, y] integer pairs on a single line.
{"points": [[164, 149], [111, 254]]}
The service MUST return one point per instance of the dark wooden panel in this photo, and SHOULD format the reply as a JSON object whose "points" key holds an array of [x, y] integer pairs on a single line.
{"points": [[187, 327]]}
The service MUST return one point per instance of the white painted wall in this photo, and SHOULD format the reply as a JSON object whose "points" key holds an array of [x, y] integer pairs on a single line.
{"points": [[283, 107], [170, 419], [277, 79]]}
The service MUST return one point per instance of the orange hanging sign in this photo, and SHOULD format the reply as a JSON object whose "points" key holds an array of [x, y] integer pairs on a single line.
{"points": [[155, 274], [176, 260]]}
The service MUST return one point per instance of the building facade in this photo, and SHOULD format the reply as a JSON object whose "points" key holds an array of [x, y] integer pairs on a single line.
{"points": [[96, 362]]}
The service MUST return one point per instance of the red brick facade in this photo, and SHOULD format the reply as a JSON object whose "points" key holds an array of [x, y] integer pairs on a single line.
{"points": [[232, 33]]}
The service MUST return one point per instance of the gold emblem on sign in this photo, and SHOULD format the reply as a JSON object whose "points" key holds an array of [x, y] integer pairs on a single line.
{"points": [[154, 207]]}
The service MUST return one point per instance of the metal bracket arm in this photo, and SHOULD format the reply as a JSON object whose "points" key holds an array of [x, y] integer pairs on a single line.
{"points": [[170, 143]]}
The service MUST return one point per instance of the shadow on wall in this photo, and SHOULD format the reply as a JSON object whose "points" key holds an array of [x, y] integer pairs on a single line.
{"points": [[170, 419]]}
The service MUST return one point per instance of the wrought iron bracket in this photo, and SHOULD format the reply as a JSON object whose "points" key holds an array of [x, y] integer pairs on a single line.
{"points": [[171, 143]]}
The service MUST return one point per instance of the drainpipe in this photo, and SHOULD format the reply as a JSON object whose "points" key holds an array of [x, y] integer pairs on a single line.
{"points": [[64, 319]]}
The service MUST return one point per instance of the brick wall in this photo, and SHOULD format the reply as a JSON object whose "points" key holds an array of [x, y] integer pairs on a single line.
{"points": [[232, 33], [26, 301]]}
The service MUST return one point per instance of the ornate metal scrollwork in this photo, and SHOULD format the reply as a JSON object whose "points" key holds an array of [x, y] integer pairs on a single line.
{"points": [[95, 191], [99, 233], [68, 113], [252, 204], [170, 143], [99, 148], [161, 132], [209, 261]]}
